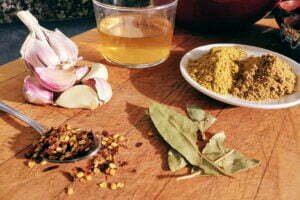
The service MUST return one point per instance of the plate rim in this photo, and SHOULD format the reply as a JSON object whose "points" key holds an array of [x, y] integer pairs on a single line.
{"points": [[223, 98]]}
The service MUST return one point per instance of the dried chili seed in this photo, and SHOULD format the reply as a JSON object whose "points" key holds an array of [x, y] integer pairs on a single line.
{"points": [[112, 165], [44, 162], [70, 190], [79, 174], [102, 185], [31, 163], [113, 186], [120, 185], [88, 177]]}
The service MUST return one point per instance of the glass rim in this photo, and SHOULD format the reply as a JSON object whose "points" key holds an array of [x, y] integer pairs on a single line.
{"points": [[123, 8]]}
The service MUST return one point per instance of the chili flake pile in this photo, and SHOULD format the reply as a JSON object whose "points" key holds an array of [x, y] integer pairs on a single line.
{"points": [[63, 143], [103, 164]]}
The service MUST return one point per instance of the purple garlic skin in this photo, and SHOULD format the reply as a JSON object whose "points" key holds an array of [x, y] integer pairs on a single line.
{"points": [[55, 80], [35, 93]]}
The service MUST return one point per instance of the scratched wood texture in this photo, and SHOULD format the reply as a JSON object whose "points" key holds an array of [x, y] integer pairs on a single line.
{"points": [[271, 136]]}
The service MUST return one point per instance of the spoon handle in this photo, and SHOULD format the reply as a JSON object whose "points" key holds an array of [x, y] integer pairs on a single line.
{"points": [[35, 125]]}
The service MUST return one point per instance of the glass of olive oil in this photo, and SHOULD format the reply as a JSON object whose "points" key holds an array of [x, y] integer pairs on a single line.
{"points": [[135, 34]]}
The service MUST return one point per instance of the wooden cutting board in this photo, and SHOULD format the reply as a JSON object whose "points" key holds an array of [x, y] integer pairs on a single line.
{"points": [[270, 136]]}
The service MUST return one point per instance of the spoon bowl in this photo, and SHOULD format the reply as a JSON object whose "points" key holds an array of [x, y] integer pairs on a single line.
{"points": [[42, 130]]}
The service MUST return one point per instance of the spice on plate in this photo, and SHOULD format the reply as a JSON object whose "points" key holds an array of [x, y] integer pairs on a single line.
{"points": [[215, 69], [181, 133], [62, 143], [265, 77], [227, 70]]}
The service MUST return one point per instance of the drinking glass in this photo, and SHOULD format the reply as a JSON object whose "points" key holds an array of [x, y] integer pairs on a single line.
{"points": [[134, 36]]}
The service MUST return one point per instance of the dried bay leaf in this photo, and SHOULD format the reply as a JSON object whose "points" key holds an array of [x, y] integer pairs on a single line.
{"points": [[181, 134], [175, 160], [204, 119], [176, 130], [231, 161]]}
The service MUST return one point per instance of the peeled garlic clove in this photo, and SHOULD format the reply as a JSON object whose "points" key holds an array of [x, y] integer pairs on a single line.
{"points": [[97, 71], [64, 48], [55, 80], [79, 96], [102, 87], [81, 72], [35, 93], [38, 53]]}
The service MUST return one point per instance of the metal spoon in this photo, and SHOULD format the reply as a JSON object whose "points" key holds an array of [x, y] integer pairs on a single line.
{"points": [[42, 130]]}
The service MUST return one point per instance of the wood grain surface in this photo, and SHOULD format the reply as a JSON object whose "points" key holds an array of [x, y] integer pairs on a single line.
{"points": [[270, 136]]}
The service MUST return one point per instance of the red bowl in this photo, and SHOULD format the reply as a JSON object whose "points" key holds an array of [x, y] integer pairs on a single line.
{"points": [[222, 13]]}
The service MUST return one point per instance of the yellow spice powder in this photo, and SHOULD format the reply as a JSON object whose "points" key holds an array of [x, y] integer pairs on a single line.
{"points": [[227, 70], [216, 69], [262, 78]]}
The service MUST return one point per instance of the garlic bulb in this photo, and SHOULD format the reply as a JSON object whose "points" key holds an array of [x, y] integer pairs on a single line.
{"points": [[45, 48], [35, 93], [51, 57]]}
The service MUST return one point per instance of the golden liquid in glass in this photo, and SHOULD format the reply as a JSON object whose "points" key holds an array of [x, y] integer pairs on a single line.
{"points": [[135, 39]]}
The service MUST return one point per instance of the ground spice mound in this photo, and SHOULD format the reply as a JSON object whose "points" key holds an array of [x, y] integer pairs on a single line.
{"points": [[227, 70], [216, 69], [262, 78]]}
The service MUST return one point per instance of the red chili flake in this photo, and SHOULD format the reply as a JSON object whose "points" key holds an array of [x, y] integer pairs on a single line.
{"points": [[138, 144]]}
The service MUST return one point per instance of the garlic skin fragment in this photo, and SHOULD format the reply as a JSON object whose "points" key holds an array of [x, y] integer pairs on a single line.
{"points": [[55, 80], [97, 71], [79, 96], [35, 93], [81, 72], [102, 87]]}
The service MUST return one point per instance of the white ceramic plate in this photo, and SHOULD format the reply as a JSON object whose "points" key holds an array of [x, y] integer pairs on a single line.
{"points": [[288, 101]]}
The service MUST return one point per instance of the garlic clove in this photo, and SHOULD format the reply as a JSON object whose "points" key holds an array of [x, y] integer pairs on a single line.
{"points": [[102, 87], [35, 93], [79, 96], [65, 49], [38, 53], [55, 80], [97, 71], [81, 72]]}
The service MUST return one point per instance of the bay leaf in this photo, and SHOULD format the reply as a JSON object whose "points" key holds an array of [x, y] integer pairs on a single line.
{"points": [[230, 160], [204, 119], [175, 160], [181, 134], [177, 130]]}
